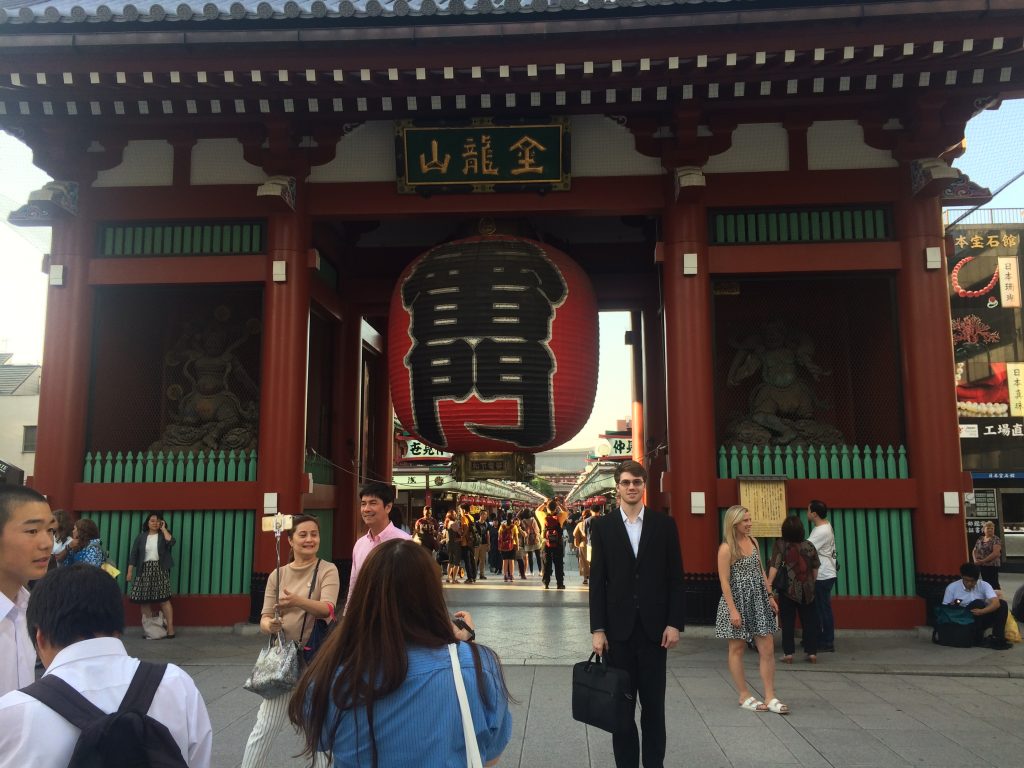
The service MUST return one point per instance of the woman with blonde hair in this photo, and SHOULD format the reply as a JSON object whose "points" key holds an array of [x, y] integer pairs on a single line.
{"points": [[747, 611]]}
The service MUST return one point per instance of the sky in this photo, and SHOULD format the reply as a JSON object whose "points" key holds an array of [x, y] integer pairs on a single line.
{"points": [[994, 156]]}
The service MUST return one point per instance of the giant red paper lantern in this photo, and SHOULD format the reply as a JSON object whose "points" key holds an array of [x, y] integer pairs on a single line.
{"points": [[492, 346]]}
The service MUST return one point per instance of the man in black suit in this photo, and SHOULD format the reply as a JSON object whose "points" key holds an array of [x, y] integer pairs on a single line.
{"points": [[636, 608]]}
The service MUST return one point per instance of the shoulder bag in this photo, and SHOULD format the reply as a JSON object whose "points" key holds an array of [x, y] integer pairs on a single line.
{"points": [[277, 667], [321, 627], [473, 759]]}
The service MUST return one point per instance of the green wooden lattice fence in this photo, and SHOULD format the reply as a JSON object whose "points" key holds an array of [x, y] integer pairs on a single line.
{"points": [[875, 549], [212, 553], [171, 467], [211, 238], [806, 225], [837, 462]]}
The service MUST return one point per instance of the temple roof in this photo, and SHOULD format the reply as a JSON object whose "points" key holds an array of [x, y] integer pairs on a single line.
{"points": [[98, 11]]}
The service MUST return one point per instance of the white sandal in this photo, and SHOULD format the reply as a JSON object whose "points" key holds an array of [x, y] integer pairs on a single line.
{"points": [[778, 707], [754, 705]]}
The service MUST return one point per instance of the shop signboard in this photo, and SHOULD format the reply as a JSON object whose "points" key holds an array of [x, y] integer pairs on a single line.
{"points": [[482, 156], [985, 302], [765, 497]]}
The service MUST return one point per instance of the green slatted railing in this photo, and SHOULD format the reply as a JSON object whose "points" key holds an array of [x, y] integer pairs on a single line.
{"points": [[200, 238], [836, 462], [875, 548], [212, 553], [170, 467], [831, 224]]}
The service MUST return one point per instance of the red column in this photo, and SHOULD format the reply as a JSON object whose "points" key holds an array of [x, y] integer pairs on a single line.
{"points": [[63, 395], [926, 348], [637, 359], [346, 431], [284, 370], [689, 369], [654, 402]]}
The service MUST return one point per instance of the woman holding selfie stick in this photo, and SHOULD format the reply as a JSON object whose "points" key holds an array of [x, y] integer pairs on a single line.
{"points": [[150, 561]]}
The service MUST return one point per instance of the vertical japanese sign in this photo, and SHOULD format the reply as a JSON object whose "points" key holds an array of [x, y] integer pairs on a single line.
{"points": [[985, 302], [482, 157]]}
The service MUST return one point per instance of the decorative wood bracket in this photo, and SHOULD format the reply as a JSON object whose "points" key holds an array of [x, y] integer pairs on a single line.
{"points": [[56, 199]]}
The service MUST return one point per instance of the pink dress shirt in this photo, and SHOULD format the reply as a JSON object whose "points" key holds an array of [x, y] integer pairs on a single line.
{"points": [[364, 546]]}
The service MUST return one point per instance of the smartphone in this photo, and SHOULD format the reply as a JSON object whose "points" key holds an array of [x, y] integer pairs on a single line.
{"points": [[461, 625]]}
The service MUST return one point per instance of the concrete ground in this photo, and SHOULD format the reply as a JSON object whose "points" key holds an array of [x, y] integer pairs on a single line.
{"points": [[887, 699]]}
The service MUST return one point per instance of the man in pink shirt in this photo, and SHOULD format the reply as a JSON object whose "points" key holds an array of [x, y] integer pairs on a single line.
{"points": [[375, 501]]}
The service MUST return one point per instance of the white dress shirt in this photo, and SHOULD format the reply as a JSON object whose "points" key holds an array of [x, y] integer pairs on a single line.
{"points": [[633, 530], [17, 656], [100, 669]]}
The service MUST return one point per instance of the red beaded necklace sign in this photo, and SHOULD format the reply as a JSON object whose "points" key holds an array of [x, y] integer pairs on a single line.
{"points": [[962, 292]]}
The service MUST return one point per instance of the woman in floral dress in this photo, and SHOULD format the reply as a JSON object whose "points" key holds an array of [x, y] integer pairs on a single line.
{"points": [[747, 611]]}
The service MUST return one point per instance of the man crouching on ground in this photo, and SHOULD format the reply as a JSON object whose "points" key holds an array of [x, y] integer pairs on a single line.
{"points": [[77, 617]]}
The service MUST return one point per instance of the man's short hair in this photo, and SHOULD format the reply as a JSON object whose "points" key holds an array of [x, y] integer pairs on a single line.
{"points": [[970, 570], [633, 467], [596, 508], [12, 497], [820, 508], [464, 507], [76, 603], [383, 491]]}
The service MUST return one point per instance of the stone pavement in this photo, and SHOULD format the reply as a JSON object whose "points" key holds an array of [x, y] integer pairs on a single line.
{"points": [[884, 699]]}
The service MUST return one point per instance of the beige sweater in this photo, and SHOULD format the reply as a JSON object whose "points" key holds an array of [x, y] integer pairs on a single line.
{"points": [[296, 581]]}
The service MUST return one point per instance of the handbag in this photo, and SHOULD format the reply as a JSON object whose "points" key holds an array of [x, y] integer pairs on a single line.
{"points": [[601, 695], [473, 759], [321, 627], [276, 670]]}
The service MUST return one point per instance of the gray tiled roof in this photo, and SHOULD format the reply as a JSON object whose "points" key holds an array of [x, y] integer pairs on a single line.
{"points": [[13, 376], [80, 11]]}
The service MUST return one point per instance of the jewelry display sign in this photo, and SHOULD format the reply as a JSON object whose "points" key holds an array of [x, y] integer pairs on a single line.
{"points": [[985, 304], [482, 156], [765, 497]]}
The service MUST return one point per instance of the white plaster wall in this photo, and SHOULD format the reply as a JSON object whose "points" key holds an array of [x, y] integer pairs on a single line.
{"points": [[755, 147], [17, 412], [839, 144], [365, 154], [603, 147], [220, 161], [148, 163]]}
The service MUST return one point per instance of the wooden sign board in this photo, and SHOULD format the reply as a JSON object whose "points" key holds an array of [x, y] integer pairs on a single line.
{"points": [[765, 497]]}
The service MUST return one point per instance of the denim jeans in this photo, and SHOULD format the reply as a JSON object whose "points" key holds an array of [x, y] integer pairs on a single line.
{"points": [[823, 601]]}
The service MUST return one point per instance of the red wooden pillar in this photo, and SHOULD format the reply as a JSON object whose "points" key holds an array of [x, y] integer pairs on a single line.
{"points": [[63, 394], [637, 360], [654, 402], [926, 348], [346, 433], [284, 370], [689, 372]]}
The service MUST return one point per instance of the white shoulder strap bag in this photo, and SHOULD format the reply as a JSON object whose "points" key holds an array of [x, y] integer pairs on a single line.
{"points": [[472, 748]]}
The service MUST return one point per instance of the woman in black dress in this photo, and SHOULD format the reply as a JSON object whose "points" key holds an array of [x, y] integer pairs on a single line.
{"points": [[149, 570]]}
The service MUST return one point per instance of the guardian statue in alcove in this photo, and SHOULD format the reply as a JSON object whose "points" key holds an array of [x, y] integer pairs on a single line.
{"points": [[782, 406], [215, 405]]}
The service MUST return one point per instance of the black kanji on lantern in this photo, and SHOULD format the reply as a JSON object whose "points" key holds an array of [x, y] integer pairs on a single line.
{"points": [[480, 321]]}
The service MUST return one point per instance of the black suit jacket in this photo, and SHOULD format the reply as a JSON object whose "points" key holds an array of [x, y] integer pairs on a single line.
{"points": [[624, 586]]}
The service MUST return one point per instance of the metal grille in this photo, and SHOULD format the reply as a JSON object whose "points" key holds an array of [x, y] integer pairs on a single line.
{"points": [[175, 369], [807, 361]]}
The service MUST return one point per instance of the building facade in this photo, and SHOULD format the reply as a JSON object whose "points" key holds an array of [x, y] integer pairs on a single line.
{"points": [[238, 187], [19, 412]]}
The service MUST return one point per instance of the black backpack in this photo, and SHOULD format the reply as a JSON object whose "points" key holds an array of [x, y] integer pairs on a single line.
{"points": [[127, 738]]}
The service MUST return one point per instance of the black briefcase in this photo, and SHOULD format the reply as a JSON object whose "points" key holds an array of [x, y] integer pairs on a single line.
{"points": [[601, 695]]}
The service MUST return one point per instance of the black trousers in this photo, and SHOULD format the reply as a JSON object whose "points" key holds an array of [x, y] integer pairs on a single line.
{"points": [[808, 613], [644, 659], [469, 561], [554, 556], [990, 573], [996, 620]]}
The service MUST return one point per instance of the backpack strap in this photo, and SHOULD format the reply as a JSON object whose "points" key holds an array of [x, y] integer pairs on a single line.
{"points": [[56, 694], [142, 688]]}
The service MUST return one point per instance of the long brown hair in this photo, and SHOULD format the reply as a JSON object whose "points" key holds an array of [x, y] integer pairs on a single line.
{"points": [[396, 602]]}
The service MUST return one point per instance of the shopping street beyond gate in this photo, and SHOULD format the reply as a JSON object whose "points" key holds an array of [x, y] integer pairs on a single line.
{"points": [[885, 698]]}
